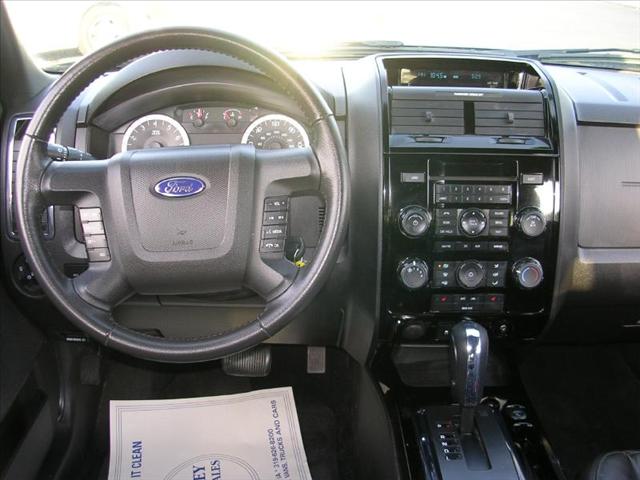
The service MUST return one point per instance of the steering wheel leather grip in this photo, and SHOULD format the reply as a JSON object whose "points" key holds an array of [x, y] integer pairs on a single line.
{"points": [[121, 186]]}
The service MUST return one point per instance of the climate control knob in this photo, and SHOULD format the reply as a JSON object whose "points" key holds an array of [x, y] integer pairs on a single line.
{"points": [[414, 221], [531, 222], [413, 273], [527, 273], [470, 274], [473, 221]]}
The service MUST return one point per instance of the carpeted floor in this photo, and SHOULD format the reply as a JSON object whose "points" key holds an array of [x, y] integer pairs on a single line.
{"points": [[587, 398], [321, 401]]}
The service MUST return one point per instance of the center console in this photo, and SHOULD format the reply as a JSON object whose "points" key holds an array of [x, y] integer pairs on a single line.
{"points": [[470, 245], [471, 202]]}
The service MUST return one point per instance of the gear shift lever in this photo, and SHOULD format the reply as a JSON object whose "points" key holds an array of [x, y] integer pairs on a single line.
{"points": [[468, 364]]}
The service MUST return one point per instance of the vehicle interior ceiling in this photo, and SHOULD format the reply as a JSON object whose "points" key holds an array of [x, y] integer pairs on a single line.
{"points": [[452, 288]]}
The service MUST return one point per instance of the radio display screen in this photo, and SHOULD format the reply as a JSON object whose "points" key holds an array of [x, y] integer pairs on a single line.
{"points": [[427, 77]]}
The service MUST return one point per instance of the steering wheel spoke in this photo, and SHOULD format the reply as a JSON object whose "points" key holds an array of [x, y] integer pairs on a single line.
{"points": [[79, 183], [287, 171], [103, 285]]}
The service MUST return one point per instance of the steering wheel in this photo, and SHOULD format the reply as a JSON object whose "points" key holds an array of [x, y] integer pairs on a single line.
{"points": [[205, 238]]}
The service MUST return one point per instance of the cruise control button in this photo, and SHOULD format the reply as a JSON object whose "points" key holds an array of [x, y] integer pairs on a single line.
{"points": [[99, 255], [95, 241], [90, 215], [93, 228]]}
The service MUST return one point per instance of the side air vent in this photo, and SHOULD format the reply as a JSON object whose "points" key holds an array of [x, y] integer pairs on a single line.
{"points": [[522, 113], [425, 111], [17, 130]]}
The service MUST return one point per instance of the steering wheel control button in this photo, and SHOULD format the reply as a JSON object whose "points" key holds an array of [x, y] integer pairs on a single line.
{"points": [[276, 204], [93, 228], [274, 218], [471, 274], [95, 241], [274, 231], [273, 245], [99, 254], [527, 273], [531, 222], [274, 225], [414, 221], [473, 221], [90, 215], [413, 273]]}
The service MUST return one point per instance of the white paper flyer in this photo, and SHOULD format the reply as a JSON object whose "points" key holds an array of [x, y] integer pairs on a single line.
{"points": [[253, 436]]}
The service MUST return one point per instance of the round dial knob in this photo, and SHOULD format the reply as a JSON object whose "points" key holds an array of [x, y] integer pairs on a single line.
{"points": [[413, 273], [473, 221], [470, 274], [527, 272], [414, 221], [531, 222]]}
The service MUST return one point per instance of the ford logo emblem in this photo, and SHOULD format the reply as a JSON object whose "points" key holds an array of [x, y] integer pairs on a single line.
{"points": [[178, 187]]}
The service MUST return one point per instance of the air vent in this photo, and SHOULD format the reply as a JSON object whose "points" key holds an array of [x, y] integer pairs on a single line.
{"points": [[522, 113], [426, 111], [18, 128], [466, 111]]}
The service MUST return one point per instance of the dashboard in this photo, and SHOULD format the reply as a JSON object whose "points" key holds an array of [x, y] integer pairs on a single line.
{"points": [[468, 178], [209, 124]]}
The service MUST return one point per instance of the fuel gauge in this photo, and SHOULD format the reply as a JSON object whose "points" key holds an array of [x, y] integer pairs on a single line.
{"points": [[231, 117]]}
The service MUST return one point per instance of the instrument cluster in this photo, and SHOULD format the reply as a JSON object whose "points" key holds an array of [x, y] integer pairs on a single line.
{"points": [[210, 124]]}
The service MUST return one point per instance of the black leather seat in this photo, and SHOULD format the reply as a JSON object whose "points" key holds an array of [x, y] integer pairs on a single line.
{"points": [[624, 465]]}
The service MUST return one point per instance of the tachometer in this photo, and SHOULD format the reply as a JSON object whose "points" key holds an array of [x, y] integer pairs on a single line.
{"points": [[154, 131], [275, 131]]}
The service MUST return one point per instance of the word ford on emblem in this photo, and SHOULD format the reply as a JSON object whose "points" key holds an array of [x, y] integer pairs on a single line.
{"points": [[176, 187]]}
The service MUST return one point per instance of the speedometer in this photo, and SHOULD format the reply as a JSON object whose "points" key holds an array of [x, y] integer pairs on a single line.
{"points": [[275, 131], [154, 131]]}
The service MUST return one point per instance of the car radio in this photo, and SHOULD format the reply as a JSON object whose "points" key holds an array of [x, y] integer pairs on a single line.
{"points": [[468, 235]]}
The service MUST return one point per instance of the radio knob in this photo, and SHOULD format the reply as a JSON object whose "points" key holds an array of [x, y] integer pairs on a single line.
{"points": [[413, 273], [531, 222], [414, 221], [473, 221], [470, 274], [527, 272]]}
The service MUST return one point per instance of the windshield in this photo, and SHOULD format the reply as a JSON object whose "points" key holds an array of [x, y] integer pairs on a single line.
{"points": [[57, 33]]}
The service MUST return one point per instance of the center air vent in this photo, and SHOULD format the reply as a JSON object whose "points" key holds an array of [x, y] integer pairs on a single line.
{"points": [[425, 111], [520, 114], [466, 111]]}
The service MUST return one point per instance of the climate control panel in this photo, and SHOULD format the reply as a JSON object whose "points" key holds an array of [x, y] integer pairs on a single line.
{"points": [[468, 235]]}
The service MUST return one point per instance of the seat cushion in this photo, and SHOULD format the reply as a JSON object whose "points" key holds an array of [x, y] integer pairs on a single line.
{"points": [[623, 465]]}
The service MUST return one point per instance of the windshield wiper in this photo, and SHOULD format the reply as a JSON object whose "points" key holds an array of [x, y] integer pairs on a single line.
{"points": [[611, 58]]}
